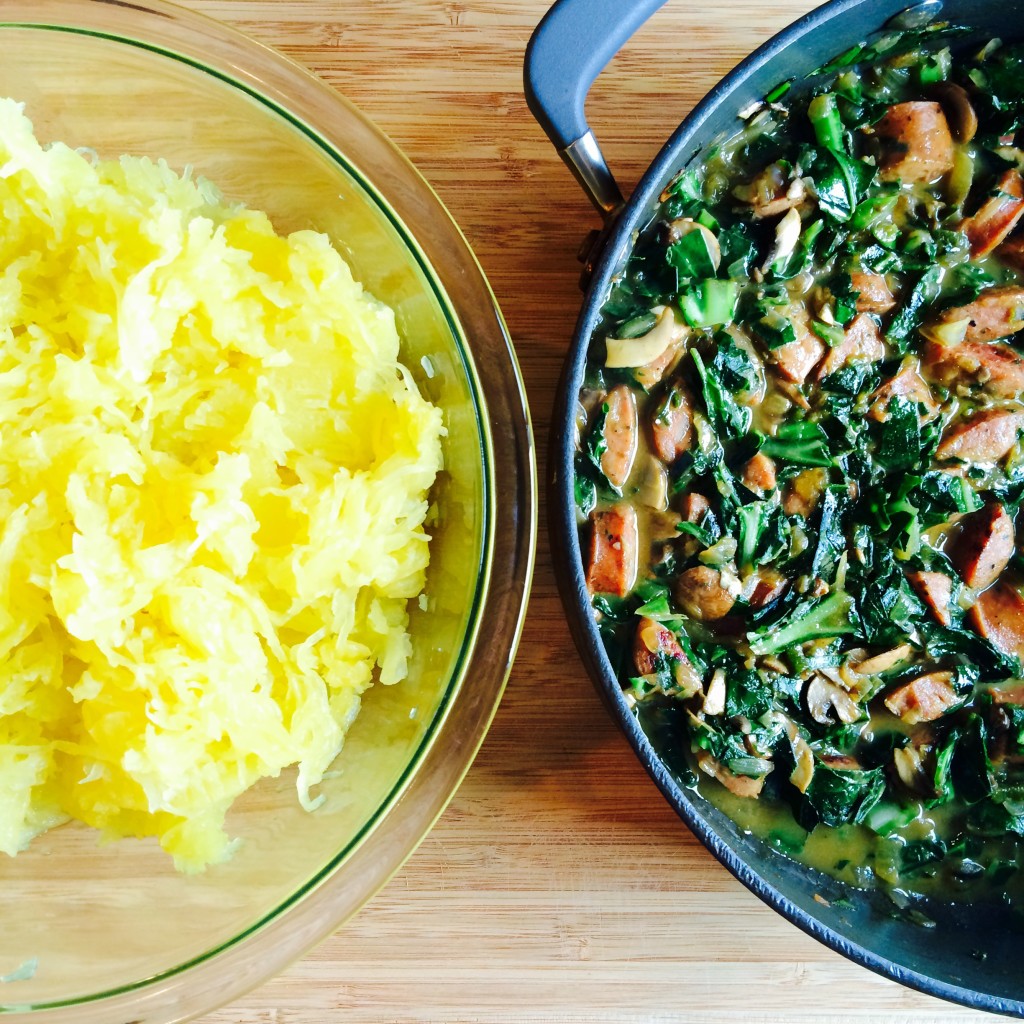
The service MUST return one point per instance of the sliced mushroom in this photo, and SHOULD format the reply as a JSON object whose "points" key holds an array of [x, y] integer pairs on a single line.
{"points": [[884, 661], [772, 192], [909, 764], [662, 339], [823, 698], [787, 234], [803, 762], [652, 483], [714, 699]]}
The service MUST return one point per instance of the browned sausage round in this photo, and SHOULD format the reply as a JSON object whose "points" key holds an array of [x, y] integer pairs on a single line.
{"points": [[672, 422], [862, 342], [984, 546], [873, 294], [935, 589], [997, 216], [998, 615], [923, 699], [759, 473], [620, 435], [996, 368], [614, 544], [985, 437], [918, 143], [995, 313], [701, 595]]}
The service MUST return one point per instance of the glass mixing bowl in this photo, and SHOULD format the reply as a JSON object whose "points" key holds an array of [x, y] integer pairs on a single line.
{"points": [[105, 933]]}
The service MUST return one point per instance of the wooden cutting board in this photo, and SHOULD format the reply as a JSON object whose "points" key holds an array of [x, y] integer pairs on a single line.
{"points": [[559, 886]]}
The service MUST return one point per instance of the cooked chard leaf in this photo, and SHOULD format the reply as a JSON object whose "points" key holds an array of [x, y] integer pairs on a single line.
{"points": [[841, 797], [834, 615], [728, 417], [802, 443], [924, 292]]}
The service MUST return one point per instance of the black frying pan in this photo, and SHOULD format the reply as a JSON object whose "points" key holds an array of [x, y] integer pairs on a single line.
{"points": [[975, 953]]}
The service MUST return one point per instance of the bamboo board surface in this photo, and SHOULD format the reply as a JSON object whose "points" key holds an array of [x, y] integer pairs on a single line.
{"points": [[558, 886]]}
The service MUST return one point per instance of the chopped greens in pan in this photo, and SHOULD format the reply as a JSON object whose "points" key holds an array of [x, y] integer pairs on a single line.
{"points": [[800, 469]]}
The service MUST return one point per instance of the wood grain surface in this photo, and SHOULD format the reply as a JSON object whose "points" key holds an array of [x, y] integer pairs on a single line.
{"points": [[558, 887]]}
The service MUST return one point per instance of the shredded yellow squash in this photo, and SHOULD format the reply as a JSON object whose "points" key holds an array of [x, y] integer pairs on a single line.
{"points": [[213, 481]]}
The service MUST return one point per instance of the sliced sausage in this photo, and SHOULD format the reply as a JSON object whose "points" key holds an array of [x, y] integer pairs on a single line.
{"points": [[653, 643], [996, 368], [907, 383], [759, 473], [700, 594], [1012, 252], [770, 587], [862, 343], [995, 313], [917, 144], [985, 437], [963, 121], [672, 422], [936, 590], [796, 359], [873, 294], [998, 615], [620, 435], [984, 546], [1012, 694], [614, 549], [694, 506], [997, 216], [923, 699]]}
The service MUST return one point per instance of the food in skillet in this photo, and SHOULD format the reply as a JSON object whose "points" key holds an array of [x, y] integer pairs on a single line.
{"points": [[213, 485], [800, 467]]}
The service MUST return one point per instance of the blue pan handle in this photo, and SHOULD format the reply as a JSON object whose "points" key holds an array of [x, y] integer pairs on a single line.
{"points": [[569, 48]]}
